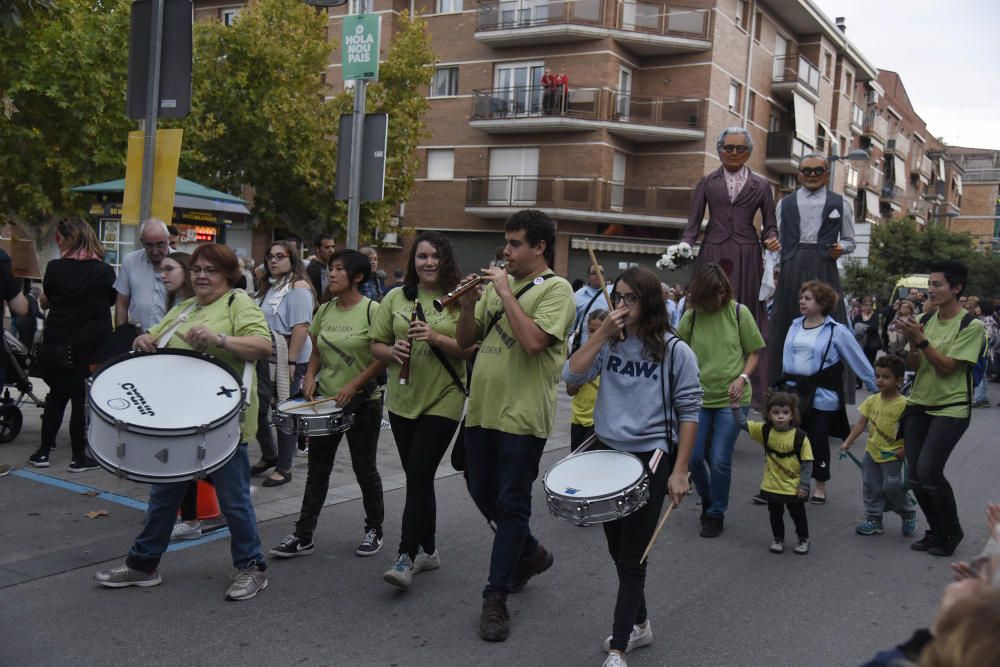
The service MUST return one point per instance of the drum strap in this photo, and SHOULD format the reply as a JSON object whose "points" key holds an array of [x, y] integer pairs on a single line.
{"points": [[165, 337]]}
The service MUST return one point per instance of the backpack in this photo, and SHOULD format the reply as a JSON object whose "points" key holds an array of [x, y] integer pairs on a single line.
{"points": [[800, 438], [977, 371]]}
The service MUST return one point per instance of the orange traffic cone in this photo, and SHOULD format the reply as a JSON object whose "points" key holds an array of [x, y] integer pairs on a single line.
{"points": [[208, 502]]}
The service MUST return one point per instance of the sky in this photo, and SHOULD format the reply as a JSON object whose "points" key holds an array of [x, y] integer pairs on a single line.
{"points": [[947, 54]]}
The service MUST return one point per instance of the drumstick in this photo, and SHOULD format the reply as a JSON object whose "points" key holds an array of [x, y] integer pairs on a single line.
{"points": [[600, 276], [310, 404], [656, 533]]}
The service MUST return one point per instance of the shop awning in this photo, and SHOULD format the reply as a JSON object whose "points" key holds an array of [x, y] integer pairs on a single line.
{"points": [[187, 194], [621, 245], [805, 120]]}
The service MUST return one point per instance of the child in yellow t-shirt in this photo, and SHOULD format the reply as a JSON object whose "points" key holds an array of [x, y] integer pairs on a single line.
{"points": [[788, 461], [581, 425], [882, 470]]}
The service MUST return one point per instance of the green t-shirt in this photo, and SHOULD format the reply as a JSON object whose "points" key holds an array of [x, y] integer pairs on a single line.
{"points": [[929, 388], [781, 473], [511, 390], [233, 314], [721, 347], [883, 424], [341, 339], [430, 390]]}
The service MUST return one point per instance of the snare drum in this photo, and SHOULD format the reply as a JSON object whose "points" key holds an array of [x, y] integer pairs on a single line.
{"points": [[596, 487], [320, 419], [170, 416]]}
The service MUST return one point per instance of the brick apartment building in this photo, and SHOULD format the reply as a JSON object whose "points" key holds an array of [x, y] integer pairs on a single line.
{"points": [[980, 212]]}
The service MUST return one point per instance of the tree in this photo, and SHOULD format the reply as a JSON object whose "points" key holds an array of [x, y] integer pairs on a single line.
{"points": [[899, 248], [860, 280]]}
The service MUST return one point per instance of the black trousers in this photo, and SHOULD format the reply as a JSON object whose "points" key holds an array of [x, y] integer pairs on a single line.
{"points": [[362, 438], [929, 442], [62, 391], [797, 510], [421, 444], [627, 539], [817, 425]]}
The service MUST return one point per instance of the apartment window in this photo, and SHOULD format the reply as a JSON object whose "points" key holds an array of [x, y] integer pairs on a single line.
{"points": [[449, 6], [757, 26], [734, 96], [753, 105], [827, 64], [849, 84], [445, 83], [843, 145], [440, 164], [820, 138], [773, 123], [229, 16], [742, 14]]}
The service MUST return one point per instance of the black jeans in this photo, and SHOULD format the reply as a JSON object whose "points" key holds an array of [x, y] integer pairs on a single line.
{"points": [[421, 443], [627, 539], [501, 468], [362, 439], [929, 442], [817, 424], [577, 434], [797, 510], [67, 389]]}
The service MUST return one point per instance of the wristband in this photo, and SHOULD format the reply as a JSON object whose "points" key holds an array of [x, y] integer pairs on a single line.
{"points": [[222, 341], [746, 378], [923, 345]]}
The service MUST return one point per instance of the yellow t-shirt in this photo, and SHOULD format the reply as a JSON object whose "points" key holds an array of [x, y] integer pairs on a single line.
{"points": [[883, 424], [781, 473], [341, 338], [583, 403], [929, 388]]}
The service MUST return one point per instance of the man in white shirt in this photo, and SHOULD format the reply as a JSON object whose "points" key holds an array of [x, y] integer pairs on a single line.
{"points": [[588, 299], [142, 296]]}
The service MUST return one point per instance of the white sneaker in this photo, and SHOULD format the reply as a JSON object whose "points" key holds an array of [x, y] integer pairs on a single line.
{"points": [[425, 561], [615, 660], [802, 548], [401, 573], [186, 530], [638, 638]]}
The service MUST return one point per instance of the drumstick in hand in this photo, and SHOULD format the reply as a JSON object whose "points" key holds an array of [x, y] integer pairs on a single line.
{"points": [[656, 533], [604, 285]]}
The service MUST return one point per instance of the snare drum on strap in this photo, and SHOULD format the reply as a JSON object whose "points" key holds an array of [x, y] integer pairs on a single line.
{"points": [[169, 416], [596, 487], [296, 416]]}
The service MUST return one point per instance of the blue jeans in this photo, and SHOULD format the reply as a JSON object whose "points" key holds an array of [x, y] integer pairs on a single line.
{"points": [[232, 485], [712, 458], [501, 468]]}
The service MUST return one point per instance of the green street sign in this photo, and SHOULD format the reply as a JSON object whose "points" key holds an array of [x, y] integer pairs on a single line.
{"points": [[360, 46]]}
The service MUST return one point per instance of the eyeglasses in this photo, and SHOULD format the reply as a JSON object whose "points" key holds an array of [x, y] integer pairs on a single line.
{"points": [[731, 148], [204, 270], [809, 171], [278, 257], [630, 299], [159, 245]]}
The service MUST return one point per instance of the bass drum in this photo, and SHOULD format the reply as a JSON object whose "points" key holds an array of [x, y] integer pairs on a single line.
{"points": [[168, 416]]}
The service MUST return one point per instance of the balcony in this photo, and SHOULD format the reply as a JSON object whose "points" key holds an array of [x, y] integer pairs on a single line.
{"points": [[784, 150], [857, 119], [634, 117], [898, 145], [583, 199], [891, 193], [876, 126], [795, 74], [646, 28], [852, 180], [925, 168], [872, 179], [935, 191]]}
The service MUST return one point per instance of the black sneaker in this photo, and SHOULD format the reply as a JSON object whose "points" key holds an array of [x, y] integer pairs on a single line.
{"points": [[926, 542], [494, 625], [947, 546], [292, 546], [711, 526], [371, 544], [83, 465], [39, 459], [526, 568]]}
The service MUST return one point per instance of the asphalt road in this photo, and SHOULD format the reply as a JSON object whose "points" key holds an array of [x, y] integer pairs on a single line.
{"points": [[726, 601]]}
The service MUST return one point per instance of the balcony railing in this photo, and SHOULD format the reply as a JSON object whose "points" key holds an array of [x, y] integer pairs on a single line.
{"points": [[785, 145], [873, 179], [661, 19], [876, 125], [648, 17], [857, 116], [892, 191], [926, 167], [899, 145], [584, 194], [495, 15], [796, 69], [588, 103], [935, 190]]}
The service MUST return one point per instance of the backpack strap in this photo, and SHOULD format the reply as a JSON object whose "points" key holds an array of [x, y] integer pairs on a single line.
{"points": [[583, 320]]}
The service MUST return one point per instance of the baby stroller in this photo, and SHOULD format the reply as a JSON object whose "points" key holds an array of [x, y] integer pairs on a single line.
{"points": [[17, 363]]}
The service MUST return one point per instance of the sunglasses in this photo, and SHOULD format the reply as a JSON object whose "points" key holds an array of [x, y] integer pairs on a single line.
{"points": [[730, 148], [809, 171]]}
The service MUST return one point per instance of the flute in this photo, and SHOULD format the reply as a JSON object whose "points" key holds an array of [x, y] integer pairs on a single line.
{"points": [[455, 294], [404, 370]]}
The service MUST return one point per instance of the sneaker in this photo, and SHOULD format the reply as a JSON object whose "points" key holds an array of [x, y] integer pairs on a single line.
{"points": [[494, 625], [39, 460], [526, 568], [615, 659], [910, 525], [802, 548], [981, 404], [778, 546], [247, 582], [926, 542], [758, 499], [425, 561], [186, 530], [83, 465], [4, 469], [302, 452], [638, 638], [870, 526], [401, 573], [292, 546], [947, 546], [370, 545], [711, 526], [122, 575]]}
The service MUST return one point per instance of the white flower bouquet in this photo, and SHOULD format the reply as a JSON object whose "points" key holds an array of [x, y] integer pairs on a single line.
{"points": [[676, 257]]}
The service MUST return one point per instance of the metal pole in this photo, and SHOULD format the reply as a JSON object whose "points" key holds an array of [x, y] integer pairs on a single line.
{"points": [[152, 109], [357, 136]]}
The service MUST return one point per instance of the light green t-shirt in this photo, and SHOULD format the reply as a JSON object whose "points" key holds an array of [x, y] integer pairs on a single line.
{"points": [[781, 473], [721, 347], [341, 339], [929, 388], [233, 314], [883, 424], [511, 390], [430, 390]]}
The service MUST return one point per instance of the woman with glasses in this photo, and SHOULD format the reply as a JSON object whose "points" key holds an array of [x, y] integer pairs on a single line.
{"points": [[79, 290], [286, 296], [648, 406], [226, 324]]}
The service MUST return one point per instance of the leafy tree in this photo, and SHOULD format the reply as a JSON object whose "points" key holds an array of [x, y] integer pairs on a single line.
{"points": [[860, 280], [900, 248]]}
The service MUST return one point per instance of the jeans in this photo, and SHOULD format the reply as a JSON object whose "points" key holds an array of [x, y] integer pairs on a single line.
{"points": [[882, 484], [284, 451], [712, 458], [980, 394], [362, 439], [817, 426], [929, 442], [501, 468], [232, 485], [421, 443]]}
